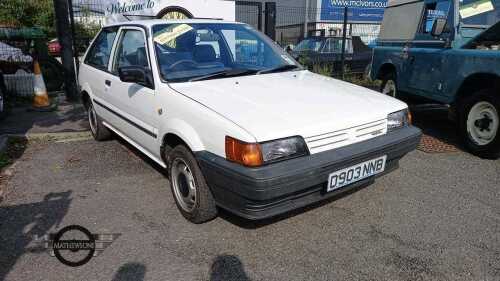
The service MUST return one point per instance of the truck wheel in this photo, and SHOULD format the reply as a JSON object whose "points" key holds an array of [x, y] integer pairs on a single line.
{"points": [[479, 123], [98, 130], [191, 193], [389, 86]]}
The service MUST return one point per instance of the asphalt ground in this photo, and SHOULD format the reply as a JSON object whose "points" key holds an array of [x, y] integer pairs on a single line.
{"points": [[435, 218]]}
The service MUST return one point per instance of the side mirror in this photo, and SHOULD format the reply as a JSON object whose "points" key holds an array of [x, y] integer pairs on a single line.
{"points": [[438, 27], [136, 74]]}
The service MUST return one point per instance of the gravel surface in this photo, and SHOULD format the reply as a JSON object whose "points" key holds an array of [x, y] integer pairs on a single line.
{"points": [[435, 218]]}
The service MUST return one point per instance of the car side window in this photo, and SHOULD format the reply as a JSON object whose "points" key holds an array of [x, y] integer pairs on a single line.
{"points": [[333, 45], [327, 47], [131, 50], [434, 11], [99, 54]]}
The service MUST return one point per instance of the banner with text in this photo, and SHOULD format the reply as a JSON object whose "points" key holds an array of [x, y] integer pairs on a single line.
{"points": [[370, 11]]}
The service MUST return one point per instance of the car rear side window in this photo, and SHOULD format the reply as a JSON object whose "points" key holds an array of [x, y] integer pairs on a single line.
{"points": [[99, 53]]}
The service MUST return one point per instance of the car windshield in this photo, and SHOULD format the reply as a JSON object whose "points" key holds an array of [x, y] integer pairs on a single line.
{"points": [[200, 51], [480, 12], [309, 44]]}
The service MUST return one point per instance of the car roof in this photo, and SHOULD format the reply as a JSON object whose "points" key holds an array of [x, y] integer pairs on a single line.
{"points": [[151, 22]]}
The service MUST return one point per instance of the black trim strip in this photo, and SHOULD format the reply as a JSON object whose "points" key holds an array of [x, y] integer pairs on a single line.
{"points": [[126, 119]]}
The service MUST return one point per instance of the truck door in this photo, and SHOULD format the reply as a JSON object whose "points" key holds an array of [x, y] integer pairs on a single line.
{"points": [[425, 56]]}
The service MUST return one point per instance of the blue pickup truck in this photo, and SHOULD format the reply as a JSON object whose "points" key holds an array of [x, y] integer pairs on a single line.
{"points": [[446, 51]]}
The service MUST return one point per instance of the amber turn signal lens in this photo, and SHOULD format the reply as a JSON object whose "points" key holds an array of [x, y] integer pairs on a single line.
{"points": [[410, 117], [248, 154]]}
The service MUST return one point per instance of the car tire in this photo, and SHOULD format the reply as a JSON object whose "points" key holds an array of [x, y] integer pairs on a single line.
{"points": [[97, 128], [189, 188], [389, 85], [479, 123]]}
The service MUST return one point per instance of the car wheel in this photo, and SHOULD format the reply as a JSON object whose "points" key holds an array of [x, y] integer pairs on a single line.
{"points": [[98, 130], [479, 123], [191, 193], [389, 85]]}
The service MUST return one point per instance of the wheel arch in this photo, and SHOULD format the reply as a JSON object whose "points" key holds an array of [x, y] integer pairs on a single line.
{"points": [[476, 82], [86, 95], [85, 99], [179, 132], [384, 69]]}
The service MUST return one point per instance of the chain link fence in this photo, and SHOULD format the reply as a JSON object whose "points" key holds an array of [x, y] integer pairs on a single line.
{"points": [[315, 42], [88, 16]]}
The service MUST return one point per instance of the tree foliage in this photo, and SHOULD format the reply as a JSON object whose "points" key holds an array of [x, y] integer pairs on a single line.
{"points": [[28, 13]]}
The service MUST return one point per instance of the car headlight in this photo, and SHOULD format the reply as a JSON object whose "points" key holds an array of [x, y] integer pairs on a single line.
{"points": [[283, 149], [257, 154], [398, 119]]}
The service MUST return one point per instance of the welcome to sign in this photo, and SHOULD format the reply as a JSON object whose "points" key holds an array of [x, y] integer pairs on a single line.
{"points": [[369, 11], [128, 7]]}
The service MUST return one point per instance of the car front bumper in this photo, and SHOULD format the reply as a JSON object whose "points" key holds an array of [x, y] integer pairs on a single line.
{"points": [[258, 193]]}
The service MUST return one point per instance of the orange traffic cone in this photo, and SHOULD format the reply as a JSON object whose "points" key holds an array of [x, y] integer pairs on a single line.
{"points": [[41, 99]]}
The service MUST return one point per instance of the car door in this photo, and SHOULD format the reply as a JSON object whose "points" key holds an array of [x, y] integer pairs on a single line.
{"points": [[94, 70], [136, 105], [425, 57]]}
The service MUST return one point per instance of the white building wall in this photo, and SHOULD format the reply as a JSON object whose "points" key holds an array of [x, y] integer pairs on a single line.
{"points": [[114, 10]]}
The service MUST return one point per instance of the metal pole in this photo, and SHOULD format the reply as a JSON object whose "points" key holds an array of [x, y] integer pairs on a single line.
{"points": [[66, 41], [72, 22], [344, 37], [306, 18]]}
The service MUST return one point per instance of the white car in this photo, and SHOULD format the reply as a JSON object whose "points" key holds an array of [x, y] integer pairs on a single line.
{"points": [[234, 119]]}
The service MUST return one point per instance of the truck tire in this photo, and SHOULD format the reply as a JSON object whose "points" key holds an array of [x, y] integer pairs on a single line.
{"points": [[389, 85], [479, 123], [189, 188], [98, 130]]}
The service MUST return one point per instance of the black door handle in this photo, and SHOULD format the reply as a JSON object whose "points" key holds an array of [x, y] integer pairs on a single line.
{"points": [[107, 82]]}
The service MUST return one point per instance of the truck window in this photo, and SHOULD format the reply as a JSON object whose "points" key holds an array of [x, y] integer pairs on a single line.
{"points": [[479, 12], [401, 22], [432, 12]]}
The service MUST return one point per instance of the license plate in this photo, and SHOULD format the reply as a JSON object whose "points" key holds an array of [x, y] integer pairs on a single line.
{"points": [[355, 173]]}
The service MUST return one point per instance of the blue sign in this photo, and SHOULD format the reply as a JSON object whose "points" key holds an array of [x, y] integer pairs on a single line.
{"points": [[371, 11]]}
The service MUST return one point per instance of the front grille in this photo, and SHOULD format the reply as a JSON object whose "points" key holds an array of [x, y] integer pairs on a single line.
{"points": [[336, 139]]}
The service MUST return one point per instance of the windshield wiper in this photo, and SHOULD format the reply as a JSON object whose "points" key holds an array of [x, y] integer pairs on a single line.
{"points": [[284, 67], [225, 73]]}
